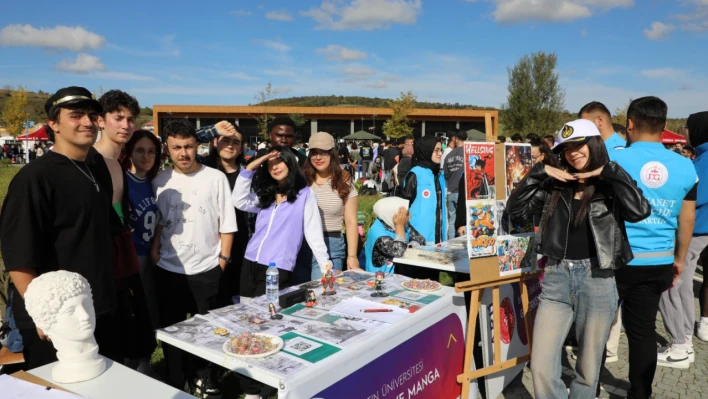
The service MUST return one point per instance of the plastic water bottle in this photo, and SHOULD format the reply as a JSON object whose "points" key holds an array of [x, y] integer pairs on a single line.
{"points": [[272, 283]]}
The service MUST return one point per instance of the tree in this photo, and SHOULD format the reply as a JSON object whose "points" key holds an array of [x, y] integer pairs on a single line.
{"points": [[621, 114], [399, 124], [536, 101], [14, 114], [298, 118], [263, 98]]}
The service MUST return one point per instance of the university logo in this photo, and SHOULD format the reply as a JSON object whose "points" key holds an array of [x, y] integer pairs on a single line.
{"points": [[567, 131], [654, 174]]}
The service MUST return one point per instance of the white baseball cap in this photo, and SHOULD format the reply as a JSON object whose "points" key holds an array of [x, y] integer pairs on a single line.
{"points": [[579, 131]]}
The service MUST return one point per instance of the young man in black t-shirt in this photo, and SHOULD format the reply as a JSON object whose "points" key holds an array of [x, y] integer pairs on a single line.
{"points": [[367, 154], [56, 217]]}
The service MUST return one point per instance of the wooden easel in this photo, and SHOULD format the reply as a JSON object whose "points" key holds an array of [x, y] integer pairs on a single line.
{"points": [[484, 273]]}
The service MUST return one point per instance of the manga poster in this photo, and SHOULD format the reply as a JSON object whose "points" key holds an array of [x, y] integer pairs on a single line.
{"points": [[481, 228], [479, 171], [518, 162], [516, 253]]}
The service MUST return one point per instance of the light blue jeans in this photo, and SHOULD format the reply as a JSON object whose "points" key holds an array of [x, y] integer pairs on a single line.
{"points": [[451, 214], [337, 250], [572, 291]]}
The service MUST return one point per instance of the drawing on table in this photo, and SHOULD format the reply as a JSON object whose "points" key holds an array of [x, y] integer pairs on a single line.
{"points": [[338, 332], [300, 346], [280, 363]]}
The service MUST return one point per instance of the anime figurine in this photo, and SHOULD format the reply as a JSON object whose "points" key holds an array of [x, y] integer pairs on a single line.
{"points": [[273, 314], [378, 286], [310, 299], [328, 281]]}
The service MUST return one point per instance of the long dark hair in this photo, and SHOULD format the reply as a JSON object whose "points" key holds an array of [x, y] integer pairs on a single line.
{"points": [[340, 178], [548, 157], [213, 158], [266, 187], [124, 158], [598, 158]]}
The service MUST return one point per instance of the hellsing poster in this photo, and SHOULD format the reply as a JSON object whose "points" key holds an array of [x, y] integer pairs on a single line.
{"points": [[479, 171]]}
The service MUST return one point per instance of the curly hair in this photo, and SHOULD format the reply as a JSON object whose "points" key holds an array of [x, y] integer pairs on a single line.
{"points": [[112, 100], [47, 293], [179, 128], [266, 187]]}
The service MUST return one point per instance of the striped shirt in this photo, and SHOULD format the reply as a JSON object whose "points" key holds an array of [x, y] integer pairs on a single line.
{"points": [[331, 205]]}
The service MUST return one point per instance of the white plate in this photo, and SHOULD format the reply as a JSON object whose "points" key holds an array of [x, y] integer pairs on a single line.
{"points": [[278, 346], [419, 290]]}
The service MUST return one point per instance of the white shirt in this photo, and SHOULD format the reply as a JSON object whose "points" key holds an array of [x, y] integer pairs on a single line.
{"points": [[193, 210], [442, 158]]}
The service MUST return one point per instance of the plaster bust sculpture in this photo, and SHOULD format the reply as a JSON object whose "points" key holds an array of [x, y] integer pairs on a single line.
{"points": [[60, 303]]}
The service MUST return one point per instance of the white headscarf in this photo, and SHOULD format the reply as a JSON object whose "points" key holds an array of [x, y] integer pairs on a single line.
{"points": [[385, 208]]}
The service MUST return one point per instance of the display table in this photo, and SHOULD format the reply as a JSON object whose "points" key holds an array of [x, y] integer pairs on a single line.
{"points": [[117, 382], [514, 341], [331, 356]]}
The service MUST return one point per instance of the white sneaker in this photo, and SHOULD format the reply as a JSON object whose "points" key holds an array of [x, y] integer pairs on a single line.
{"points": [[691, 355], [673, 357], [702, 331], [612, 359]]}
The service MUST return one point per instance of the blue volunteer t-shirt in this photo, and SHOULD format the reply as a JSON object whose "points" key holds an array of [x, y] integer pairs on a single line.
{"points": [[142, 217], [665, 178], [701, 165], [615, 141]]}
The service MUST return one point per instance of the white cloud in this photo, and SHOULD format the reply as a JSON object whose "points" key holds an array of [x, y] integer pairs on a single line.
{"points": [[240, 13], [238, 76], [279, 72], [272, 44], [696, 21], [663, 73], [84, 63], [358, 71], [518, 11], [74, 38], [338, 53], [122, 76], [365, 14], [281, 15], [658, 31], [282, 90], [377, 85]]}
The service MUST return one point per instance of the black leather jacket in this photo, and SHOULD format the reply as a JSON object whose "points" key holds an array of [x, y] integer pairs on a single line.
{"points": [[616, 199]]}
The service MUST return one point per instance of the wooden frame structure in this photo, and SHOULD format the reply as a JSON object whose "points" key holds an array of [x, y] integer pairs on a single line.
{"points": [[484, 274]]}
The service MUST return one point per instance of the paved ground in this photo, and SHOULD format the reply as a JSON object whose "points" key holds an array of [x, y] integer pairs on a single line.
{"points": [[668, 382]]}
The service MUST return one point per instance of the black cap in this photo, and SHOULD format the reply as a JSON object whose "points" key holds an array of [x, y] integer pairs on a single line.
{"points": [[71, 95]]}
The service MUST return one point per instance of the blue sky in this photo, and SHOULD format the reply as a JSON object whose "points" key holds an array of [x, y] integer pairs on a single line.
{"points": [[222, 52]]}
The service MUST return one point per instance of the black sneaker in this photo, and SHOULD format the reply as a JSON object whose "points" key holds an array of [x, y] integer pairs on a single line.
{"points": [[204, 388]]}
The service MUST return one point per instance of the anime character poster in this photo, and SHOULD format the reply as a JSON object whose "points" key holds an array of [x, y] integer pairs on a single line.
{"points": [[479, 171], [481, 228], [518, 162], [516, 253]]}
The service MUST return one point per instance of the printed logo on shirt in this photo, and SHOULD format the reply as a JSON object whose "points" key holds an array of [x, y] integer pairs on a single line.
{"points": [[654, 174], [426, 193]]}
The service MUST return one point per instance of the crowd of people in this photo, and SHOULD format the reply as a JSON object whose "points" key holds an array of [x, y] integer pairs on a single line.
{"points": [[614, 209]]}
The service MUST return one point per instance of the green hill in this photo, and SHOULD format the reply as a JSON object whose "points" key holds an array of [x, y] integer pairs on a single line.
{"points": [[357, 101]]}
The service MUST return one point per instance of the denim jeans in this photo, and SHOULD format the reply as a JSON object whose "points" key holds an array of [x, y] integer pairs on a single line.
{"points": [[451, 214], [307, 268], [572, 291]]}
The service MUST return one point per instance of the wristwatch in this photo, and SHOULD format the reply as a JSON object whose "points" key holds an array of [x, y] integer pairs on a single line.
{"points": [[226, 258]]}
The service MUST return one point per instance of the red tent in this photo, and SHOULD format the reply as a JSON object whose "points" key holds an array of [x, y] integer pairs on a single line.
{"points": [[39, 135], [669, 137]]}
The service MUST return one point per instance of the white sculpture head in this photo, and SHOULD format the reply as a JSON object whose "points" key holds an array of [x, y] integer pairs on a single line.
{"points": [[60, 304]]}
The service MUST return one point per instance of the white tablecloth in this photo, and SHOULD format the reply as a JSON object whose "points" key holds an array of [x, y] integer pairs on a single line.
{"points": [[295, 377], [117, 382]]}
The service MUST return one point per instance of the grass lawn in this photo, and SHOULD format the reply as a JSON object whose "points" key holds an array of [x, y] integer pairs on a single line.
{"points": [[6, 175]]}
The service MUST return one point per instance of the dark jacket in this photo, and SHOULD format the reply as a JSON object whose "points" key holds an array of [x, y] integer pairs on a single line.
{"points": [[616, 199]]}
